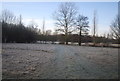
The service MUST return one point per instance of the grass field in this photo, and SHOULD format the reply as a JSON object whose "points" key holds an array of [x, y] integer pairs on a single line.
{"points": [[47, 61]]}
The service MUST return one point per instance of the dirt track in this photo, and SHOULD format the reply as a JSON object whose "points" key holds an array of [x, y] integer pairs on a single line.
{"points": [[42, 61]]}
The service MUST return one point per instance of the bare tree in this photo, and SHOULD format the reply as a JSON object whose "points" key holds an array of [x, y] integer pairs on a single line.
{"points": [[82, 26], [20, 20], [33, 25], [43, 27], [43, 31], [94, 27], [48, 32], [39, 31], [65, 17], [7, 17], [55, 33], [115, 27]]}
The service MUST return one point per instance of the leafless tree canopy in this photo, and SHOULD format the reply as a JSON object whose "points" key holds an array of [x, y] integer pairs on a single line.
{"points": [[115, 27], [65, 17], [7, 17], [82, 26], [82, 23]]}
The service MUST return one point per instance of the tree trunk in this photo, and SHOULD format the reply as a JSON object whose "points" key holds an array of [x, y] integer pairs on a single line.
{"points": [[94, 40], [118, 40], [66, 38], [80, 38], [66, 41]]}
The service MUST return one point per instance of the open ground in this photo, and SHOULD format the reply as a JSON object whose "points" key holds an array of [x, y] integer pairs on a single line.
{"points": [[48, 61]]}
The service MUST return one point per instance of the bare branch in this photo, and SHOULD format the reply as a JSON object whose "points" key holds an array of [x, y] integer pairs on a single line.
{"points": [[115, 27], [65, 18]]}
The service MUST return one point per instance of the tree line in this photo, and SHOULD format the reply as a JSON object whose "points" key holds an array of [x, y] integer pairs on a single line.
{"points": [[67, 20]]}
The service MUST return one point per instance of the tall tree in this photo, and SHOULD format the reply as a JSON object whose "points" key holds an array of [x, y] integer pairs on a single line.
{"points": [[48, 32], [43, 27], [94, 26], [20, 20], [65, 18], [82, 26], [115, 27]]}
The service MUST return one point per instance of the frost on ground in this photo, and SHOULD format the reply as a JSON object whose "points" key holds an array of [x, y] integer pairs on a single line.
{"points": [[46, 61]]}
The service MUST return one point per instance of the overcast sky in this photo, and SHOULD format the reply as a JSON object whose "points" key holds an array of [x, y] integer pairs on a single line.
{"points": [[106, 12]]}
